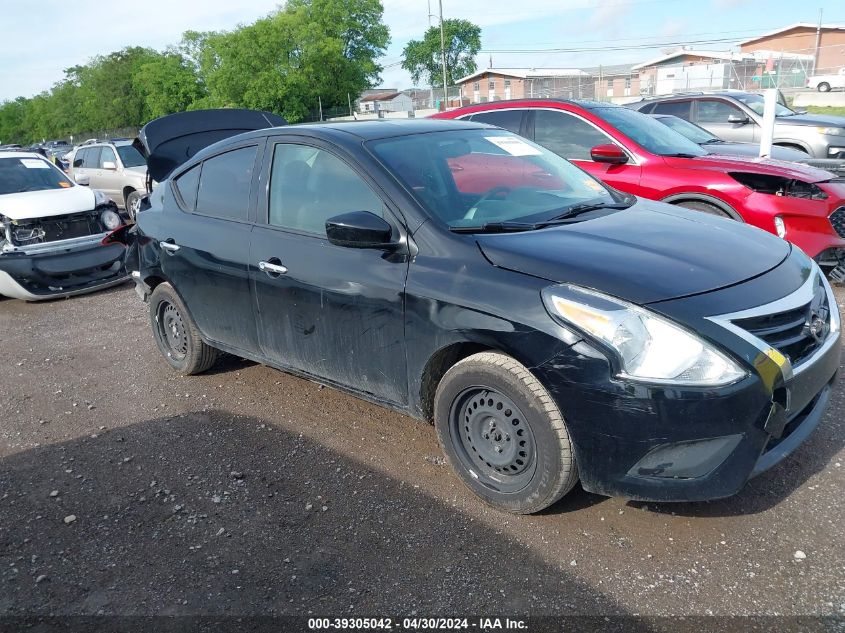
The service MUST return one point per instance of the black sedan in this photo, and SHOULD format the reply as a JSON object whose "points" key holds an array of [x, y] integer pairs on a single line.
{"points": [[553, 329]]}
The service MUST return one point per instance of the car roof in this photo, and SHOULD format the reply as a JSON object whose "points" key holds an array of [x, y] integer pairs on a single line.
{"points": [[698, 94], [587, 104], [13, 154], [370, 130]]}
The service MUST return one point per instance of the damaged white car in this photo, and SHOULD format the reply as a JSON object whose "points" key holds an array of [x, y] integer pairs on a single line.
{"points": [[53, 232]]}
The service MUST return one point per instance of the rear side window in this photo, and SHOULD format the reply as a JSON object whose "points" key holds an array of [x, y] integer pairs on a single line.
{"points": [[186, 186], [679, 109], [566, 135], [90, 158], [506, 119], [224, 185]]}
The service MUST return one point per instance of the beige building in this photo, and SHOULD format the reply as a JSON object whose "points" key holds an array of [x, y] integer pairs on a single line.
{"points": [[800, 38]]}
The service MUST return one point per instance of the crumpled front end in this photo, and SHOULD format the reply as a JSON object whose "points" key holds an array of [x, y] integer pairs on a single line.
{"points": [[58, 256]]}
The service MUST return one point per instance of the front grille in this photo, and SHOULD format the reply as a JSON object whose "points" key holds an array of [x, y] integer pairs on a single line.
{"points": [[837, 219], [791, 332]]}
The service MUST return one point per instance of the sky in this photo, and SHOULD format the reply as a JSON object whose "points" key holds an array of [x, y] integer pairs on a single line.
{"points": [[40, 39]]}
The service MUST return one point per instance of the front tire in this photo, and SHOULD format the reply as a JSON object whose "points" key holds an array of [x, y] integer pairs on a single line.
{"points": [[176, 334], [503, 434], [824, 87], [133, 205]]}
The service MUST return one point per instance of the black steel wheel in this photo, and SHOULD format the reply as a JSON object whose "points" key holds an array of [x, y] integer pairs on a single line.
{"points": [[176, 335], [493, 439], [503, 433]]}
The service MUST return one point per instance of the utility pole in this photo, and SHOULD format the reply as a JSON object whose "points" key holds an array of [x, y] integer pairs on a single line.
{"points": [[320, 101], [349, 99], [431, 104], [818, 44], [443, 55]]}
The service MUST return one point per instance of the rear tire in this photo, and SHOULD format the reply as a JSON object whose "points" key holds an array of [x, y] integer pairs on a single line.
{"points": [[824, 87], [176, 334], [704, 207], [503, 434]]}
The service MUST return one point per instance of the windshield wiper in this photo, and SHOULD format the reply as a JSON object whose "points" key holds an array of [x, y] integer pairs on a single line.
{"points": [[680, 155], [713, 141], [563, 218]]}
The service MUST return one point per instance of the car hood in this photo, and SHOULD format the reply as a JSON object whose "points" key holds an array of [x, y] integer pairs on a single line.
{"points": [[649, 252], [748, 164], [169, 141], [752, 150], [827, 120], [28, 205]]}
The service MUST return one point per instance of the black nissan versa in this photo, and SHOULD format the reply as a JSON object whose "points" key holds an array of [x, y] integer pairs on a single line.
{"points": [[553, 329]]}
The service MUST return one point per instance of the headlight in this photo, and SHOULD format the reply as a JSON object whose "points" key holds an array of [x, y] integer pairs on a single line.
{"points": [[100, 198], [110, 219], [648, 347], [831, 131], [780, 227]]}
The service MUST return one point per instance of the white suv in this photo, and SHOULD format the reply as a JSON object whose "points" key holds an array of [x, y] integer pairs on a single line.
{"points": [[116, 168]]}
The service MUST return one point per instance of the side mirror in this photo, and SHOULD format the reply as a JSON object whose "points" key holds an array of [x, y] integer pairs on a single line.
{"points": [[738, 118], [109, 164], [359, 229], [83, 179], [609, 153]]}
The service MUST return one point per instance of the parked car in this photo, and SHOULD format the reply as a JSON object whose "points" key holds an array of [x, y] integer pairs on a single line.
{"points": [[738, 116], [552, 327], [51, 232], [636, 154], [826, 83], [116, 168], [715, 145]]}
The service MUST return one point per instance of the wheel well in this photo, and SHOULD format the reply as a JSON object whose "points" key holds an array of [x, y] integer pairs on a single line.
{"points": [[439, 363], [696, 197], [152, 281], [795, 146], [126, 191]]}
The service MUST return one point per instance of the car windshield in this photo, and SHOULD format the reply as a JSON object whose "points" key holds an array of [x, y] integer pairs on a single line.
{"points": [[130, 157], [689, 130], [30, 174], [469, 178], [756, 103], [648, 133]]}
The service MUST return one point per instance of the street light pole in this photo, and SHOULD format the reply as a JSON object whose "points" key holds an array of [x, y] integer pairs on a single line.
{"points": [[443, 55]]}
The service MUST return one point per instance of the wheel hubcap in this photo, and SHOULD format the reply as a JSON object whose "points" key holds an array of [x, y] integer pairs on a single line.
{"points": [[172, 331], [493, 439]]}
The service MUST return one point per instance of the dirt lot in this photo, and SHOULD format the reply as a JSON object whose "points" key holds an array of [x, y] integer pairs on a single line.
{"points": [[125, 489]]}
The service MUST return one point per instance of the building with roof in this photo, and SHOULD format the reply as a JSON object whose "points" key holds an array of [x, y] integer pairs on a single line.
{"points": [[385, 101], [494, 84], [825, 44]]}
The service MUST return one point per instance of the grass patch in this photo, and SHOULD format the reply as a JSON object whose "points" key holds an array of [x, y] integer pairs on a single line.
{"points": [[835, 110]]}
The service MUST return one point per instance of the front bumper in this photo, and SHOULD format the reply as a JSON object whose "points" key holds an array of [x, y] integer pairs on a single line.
{"points": [[672, 443], [61, 269]]}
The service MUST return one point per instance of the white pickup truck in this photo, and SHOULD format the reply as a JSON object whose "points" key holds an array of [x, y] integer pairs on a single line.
{"points": [[826, 83]]}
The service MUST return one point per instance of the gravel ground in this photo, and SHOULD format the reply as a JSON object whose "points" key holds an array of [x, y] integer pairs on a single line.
{"points": [[125, 489]]}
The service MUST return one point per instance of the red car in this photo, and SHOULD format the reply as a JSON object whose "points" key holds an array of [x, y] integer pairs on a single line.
{"points": [[636, 154]]}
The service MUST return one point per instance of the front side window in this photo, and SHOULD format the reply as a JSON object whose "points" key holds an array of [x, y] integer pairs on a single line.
{"points": [[91, 158], [225, 182], [566, 135], [465, 178], [713, 111], [309, 185], [649, 133], [757, 103], [30, 174], [107, 156]]}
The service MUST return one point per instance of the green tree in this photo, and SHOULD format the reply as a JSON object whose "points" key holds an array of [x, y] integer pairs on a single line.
{"points": [[308, 50], [167, 84], [423, 59]]}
